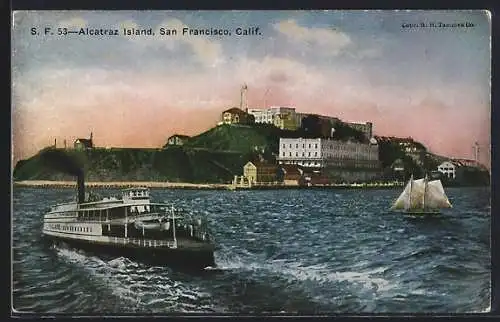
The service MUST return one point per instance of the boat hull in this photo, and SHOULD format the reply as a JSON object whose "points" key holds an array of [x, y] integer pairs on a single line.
{"points": [[422, 212], [186, 258]]}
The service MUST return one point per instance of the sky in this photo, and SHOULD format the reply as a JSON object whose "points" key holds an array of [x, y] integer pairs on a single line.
{"points": [[430, 83]]}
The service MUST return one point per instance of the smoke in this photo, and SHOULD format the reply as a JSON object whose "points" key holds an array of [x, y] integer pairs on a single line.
{"points": [[61, 161]]}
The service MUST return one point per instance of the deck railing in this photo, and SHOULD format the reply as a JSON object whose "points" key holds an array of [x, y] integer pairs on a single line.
{"points": [[144, 242]]}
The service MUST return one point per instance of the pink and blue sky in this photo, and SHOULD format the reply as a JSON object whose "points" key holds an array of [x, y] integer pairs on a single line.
{"points": [[432, 84]]}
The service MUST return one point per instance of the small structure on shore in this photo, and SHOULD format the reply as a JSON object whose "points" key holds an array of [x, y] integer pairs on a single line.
{"points": [[84, 144], [256, 172], [289, 174], [177, 139]]}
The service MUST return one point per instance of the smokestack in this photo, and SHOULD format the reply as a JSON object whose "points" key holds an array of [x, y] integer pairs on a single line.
{"points": [[64, 143], [81, 187], [55, 143]]}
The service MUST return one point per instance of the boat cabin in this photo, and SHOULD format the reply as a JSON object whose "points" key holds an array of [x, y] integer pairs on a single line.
{"points": [[135, 194], [139, 196]]}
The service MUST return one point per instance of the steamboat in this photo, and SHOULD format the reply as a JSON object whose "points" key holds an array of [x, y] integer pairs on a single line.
{"points": [[132, 226]]}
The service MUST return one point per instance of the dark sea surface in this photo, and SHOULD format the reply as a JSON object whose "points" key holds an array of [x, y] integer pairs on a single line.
{"points": [[294, 251]]}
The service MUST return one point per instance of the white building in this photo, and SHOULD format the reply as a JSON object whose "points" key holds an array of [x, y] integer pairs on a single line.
{"points": [[320, 153], [365, 127], [276, 115], [448, 169]]}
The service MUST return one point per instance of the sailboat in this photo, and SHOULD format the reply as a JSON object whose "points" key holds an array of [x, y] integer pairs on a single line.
{"points": [[421, 197]]}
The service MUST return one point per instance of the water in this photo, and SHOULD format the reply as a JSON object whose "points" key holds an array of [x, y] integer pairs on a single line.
{"points": [[293, 251]]}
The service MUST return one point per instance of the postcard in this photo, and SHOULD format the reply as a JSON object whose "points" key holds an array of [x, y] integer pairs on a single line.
{"points": [[251, 162]]}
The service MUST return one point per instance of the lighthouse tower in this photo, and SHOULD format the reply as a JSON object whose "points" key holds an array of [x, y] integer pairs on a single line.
{"points": [[476, 151], [243, 98]]}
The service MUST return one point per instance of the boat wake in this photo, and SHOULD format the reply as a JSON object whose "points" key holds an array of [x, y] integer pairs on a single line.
{"points": [[143, 288]]}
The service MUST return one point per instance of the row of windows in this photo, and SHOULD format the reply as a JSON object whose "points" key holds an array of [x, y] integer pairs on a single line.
{"points": [[306, 163], [330, 147], [138, 194], [330, 155], [70, 228], [303, 145], [358, 156], [264, 118], [303, 154]]}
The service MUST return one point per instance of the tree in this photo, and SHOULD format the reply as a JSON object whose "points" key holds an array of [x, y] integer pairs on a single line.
{"points": [[311, 125]]}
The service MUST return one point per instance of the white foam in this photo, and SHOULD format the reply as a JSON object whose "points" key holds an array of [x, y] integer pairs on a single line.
{"points": [[137, 286]]}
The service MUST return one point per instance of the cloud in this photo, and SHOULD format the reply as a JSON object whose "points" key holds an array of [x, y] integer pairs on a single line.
{"points": [[289, 74], [207, 52], [331, 40]]}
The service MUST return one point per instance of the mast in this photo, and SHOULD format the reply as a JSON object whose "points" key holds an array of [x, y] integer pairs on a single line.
{"points": [[409, 194], [126, 221], [425, 191]]}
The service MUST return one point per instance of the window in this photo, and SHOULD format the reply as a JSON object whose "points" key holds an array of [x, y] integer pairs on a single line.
{"points": [[309, 154], [296, 154], [315, 154], [303, 153], [290, 153], [284, 146], [290, 145], [296, 145], [316, 145], [283, 153], [309, 145], [304, 145]]}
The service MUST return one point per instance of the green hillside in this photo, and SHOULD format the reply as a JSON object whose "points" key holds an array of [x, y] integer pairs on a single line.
{"points": [[173, 164], [263, 138]]}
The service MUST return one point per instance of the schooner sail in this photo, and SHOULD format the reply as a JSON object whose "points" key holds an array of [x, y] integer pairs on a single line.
{"points": [[422, 196]]}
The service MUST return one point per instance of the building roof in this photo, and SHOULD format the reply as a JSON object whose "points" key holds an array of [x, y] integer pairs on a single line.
{"points": [[466, 163], [182, 136], [259, 164], [394, 139], [290, 169], [234, 110], [448, 162], [86, 142]]}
